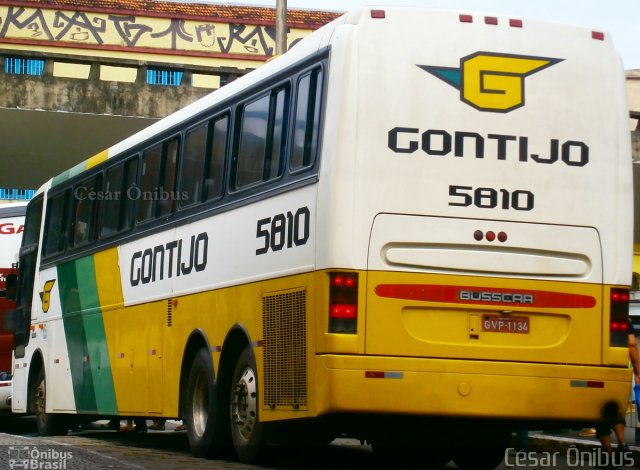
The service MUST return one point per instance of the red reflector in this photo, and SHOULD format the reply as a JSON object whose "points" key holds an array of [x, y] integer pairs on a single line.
{"points": [[466, 19], [478, 235], [491, 236], [344, 311], [594, 384], [502, 237], [515, 23], [5, 384], [373, 374], [597, 35], [490, 20], [379, 14]]}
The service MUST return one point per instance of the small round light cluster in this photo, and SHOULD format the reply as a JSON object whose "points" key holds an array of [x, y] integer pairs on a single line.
{"points": [[490, 236]]}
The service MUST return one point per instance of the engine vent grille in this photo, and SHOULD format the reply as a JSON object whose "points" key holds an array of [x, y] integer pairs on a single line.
{"points": [[285, 356]]}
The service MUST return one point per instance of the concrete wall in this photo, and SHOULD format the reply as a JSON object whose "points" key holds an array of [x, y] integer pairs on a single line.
{"points": [[97, 87]]}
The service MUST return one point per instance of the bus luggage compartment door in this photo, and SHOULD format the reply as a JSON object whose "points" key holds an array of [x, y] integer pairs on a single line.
{"points": [[436, 288]]}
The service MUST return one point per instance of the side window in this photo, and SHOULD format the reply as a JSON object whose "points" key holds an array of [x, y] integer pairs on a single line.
{"points": [[193, 160], [261, 145], [110, 208], [32, 223], [203, 160], [253, 142], [119, 194], [130, 193], [56, 227], [149, 179], [306, 120], [214, 172], [84, 211], [167, 190], [158, 179]]}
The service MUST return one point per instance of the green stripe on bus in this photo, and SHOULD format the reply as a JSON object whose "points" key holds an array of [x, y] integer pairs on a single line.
{"points": [[65, 175], [93, 387]]}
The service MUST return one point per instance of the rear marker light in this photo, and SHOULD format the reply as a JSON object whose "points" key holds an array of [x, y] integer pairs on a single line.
{"points": [[466, 19], [515, 23], [597, 35], [490, 236], [491, 20], [378, 14]]}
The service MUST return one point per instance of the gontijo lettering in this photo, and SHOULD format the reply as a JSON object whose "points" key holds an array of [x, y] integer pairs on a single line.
{"points": [[171, 259]]}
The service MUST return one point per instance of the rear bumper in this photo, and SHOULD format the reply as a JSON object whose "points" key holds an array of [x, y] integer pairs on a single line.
{"points": [[468, 389]]}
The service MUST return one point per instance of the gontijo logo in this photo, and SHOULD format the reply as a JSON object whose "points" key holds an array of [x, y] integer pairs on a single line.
{"points": [[490, 81]]}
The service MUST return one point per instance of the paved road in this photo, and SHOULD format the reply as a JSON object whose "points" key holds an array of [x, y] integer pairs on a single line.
{"points": [[100, 449]]}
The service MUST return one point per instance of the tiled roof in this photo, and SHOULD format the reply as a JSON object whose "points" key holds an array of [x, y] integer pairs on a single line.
{"points": [[213, 12]]}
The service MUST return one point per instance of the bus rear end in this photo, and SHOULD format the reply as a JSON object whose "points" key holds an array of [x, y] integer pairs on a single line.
{"points": [[480, 199]]}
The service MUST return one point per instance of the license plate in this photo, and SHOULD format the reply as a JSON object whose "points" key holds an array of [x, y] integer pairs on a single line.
{"points": [[505, 324]]}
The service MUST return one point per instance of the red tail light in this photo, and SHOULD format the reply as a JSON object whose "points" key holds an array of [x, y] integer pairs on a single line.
{"points": [[343, 303], [619, 326]]}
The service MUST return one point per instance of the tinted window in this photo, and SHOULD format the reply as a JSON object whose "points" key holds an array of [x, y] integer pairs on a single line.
{"points": [[119, 193], [149, 180], [130, 194], [56, 232], [193, 161], [307, 119], [85, 202], [262, 139], [275, 161], [214, 174], [112, 200], [167, 195], [32, 223], [253, 142]]}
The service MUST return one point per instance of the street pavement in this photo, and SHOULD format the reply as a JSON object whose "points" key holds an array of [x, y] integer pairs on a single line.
{"points": [[96, 449]]}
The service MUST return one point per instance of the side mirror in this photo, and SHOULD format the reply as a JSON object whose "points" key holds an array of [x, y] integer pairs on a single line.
{"points": [[11, 286]]}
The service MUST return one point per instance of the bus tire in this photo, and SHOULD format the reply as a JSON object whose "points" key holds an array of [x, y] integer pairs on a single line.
{"points": [[246, 429], [201, 406], [48, 424]]}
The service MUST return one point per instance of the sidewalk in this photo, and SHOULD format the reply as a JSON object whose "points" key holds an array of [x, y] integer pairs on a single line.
{"points": [[584, 440]]}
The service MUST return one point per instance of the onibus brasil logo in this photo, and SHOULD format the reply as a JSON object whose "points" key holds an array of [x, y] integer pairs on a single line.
{"points": [[491, 81]]}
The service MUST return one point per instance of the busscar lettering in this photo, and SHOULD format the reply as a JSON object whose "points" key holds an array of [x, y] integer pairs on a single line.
{"points": [[497, 297], [176, 258], [441, 143]]}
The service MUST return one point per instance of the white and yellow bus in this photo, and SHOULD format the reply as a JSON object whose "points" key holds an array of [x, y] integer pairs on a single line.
{"points": [[413, 225]]}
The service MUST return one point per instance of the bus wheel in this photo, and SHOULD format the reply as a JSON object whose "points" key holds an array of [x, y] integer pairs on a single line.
{"points": [[201, 412], [48, 424], [246, 429]]}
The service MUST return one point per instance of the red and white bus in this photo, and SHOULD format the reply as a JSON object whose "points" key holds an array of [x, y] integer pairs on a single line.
{"points": [[11, 226]]}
